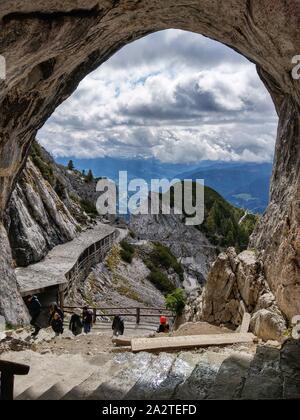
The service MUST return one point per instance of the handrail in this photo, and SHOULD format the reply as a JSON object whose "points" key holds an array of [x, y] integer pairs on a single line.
{"points": [[8, 371], [120, 307], [137, 314], [94, 254], [83, 265]]}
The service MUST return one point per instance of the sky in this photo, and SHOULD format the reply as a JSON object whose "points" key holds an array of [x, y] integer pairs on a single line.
{"points": [[173, 95]]}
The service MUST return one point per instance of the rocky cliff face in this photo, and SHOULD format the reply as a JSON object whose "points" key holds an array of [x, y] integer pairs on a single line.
{"points": [[187, 243], [236, 284], [11, 303], [277, 236], [45, 208], [37, 219]]}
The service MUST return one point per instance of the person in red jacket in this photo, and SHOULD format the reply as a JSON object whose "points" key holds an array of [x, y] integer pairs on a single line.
{"points": [[163, 325]]}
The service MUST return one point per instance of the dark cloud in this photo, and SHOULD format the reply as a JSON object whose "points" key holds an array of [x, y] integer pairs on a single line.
{"points": [[181, 48]]}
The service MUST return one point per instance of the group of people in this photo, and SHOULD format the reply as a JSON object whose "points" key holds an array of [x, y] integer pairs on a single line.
{"points": [[55, 320], [79, 320]]}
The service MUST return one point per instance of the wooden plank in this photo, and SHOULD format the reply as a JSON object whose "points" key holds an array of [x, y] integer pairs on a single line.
{"points": [[13, 368], [122, 341], [244, 328], [183, 342]]}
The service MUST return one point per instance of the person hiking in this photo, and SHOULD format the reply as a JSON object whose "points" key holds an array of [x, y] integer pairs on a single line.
{"points": [[118, 326], [163, 325], [34, 308], [54, 307], [75, 323], [56, 319], [87, 318]]}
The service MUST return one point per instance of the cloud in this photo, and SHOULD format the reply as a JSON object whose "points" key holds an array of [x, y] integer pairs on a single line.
{"points": [[173, 95]]}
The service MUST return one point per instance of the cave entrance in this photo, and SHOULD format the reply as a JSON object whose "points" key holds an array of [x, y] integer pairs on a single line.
{"points": [[49, 49], [174, 104], [46, 297]]}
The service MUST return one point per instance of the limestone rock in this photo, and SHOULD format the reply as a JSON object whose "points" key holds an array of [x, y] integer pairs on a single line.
{"points": [[236, 284], [11, 303], [187, 243], [37, 219], [268, 325]]}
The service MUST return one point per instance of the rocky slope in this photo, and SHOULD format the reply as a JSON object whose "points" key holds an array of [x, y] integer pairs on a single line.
{"points": [[119, 283], [196, 247], [187, 243]]}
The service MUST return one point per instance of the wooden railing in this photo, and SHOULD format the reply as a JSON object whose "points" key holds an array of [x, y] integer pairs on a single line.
{"points": [[91, 256], [8, 370], [135, 312]]}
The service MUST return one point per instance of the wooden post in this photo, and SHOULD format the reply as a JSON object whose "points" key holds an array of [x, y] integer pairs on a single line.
{"points": [[7, 386], [138, 315], [8, 370], [61, 299], [94, 315]]}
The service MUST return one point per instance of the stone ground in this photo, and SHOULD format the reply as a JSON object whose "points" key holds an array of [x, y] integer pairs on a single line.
{"points": [[100, 339], [88, 367]]}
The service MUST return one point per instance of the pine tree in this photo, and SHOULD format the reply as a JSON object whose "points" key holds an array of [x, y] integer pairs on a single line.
{"points": [[90, 176], [71, 166]]}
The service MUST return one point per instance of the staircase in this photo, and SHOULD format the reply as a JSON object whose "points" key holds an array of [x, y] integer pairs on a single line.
{"points": [[217, 374]]}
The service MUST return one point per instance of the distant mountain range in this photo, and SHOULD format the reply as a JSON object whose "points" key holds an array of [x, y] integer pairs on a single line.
{"points": [[243, 184], [136, 168]]}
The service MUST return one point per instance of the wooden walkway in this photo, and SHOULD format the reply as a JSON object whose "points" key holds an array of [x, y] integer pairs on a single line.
{"points": [[185, 342], [65, 261]]}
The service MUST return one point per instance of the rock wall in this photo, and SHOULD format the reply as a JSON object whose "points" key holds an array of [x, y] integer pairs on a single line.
{"points": [[236, 284], [277, 236], [37, 218], [11, 303]]}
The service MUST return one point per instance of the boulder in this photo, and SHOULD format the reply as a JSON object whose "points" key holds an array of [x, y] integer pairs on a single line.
{"points": [[235, 285], [268, 325]]}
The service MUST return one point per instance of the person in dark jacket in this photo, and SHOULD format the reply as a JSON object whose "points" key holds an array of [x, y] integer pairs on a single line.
{"points": [[75, 324], [118, 325], [56, 319], [87, 318], [34, 308], [54, 307]]}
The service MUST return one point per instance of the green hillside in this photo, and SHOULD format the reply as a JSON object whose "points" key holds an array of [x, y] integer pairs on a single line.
{"points": [[221, 221]]}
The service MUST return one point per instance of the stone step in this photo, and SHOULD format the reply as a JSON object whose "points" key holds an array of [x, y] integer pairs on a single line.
{"points": [[118, 386], [33, 392], [48, 370], [197, 385], [152, 378], [181, 369], [231, 377], [83, 390], [100, 365]]}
